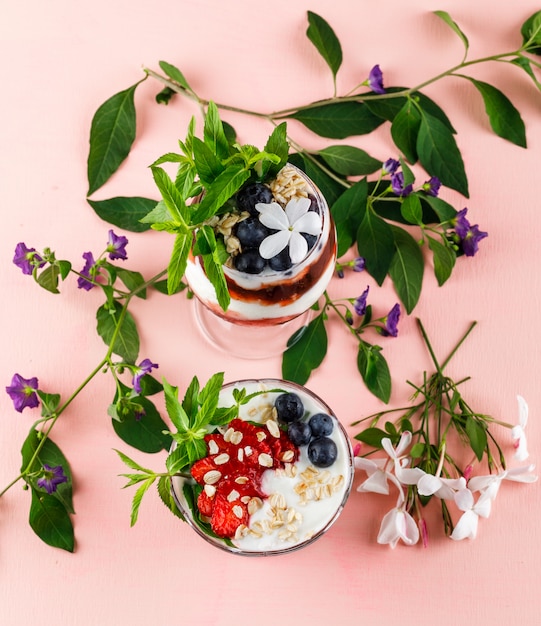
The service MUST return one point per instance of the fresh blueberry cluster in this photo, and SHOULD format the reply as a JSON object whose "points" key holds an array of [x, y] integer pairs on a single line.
{"points": [[314, 432], [251, 232]]}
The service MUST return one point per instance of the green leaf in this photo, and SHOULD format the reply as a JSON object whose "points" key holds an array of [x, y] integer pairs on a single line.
{"points": [[65, 268], [49, 403], [411, 209], [126, 343], [50, 521], [329, 187], [374, 370], [174, 408], [444, 260], [477, 436], [172, 197], [165, 95], [112, 134], [444, 212], [166, 496], [454, 26], [349, 161], [207, 164], [178, 262], [131, 463], [48, 278], [126, 213], [190, 401], [132, 280], [417, 450], [407, 267], [145, 431], [51, 455], [404, 130], [214, 134], [214, 269], [326, 42], [504, 118], [348, 213], [375, 243], [531, 33], [208, 399], [175, 74], [137, 498], [276, 144], [339, 120], [439, 154], [526, 65], [223, 188], [306, 352], [372, 437]]}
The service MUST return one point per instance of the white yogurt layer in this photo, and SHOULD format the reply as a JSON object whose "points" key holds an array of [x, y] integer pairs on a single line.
{"points": [[303, 500]]}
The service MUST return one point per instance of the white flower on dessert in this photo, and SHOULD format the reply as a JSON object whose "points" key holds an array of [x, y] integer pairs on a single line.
{"points": [[289, 224], [377, 481], [517, 432], [466, 527]]}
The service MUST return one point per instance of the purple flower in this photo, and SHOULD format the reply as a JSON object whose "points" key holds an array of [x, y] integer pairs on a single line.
{"points": [[51, 478], [390, 166], [23, 392], [391, 322], [145, 367], [360, 303], [469, 236], [27, 258], [87, 273], [340, 272], [432, 186], [397, 183], [116, 246], [359, 264], [375, 80]]}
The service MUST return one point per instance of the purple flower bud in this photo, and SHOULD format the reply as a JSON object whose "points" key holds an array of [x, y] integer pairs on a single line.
{"points": [[360, 303], [391, 322], [145, 367], [375, 80], [87, 273], [27, 258], [432, 186], [390, 166], [51, 478], [23, 392], [116, 246], [359, 264], [469, 236], [397, 183]]}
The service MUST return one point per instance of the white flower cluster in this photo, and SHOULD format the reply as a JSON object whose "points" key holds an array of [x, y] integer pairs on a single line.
{"points": [[399, 525]]}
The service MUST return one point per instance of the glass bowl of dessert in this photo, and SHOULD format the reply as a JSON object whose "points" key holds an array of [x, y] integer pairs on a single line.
{"points": [[275, 478], [281, 243]]}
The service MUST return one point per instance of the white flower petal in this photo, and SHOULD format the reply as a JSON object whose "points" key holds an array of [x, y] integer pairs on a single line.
{"points": [[298, 247], [375, 483], [388, 447], [368, 465], [388, 531], [296, 208], [480, 483], [409, 529], [522, 474], [408, 476], [449, 486], [466, 527], [272, 216], [308, 223], [428, 485], [483, 506], [522, 411], [404, 443], [464, 499], [273, 244]]}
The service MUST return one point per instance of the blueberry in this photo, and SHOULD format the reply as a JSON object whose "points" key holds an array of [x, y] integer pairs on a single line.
{"points": [[289, 407], [314, 205], [299, 432], [251, 232], [321, 424], [281, 261], [322, 451], [250, 195], [249, 262]]}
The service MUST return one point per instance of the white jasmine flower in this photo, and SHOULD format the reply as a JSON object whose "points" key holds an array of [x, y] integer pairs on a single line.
{"points": [[377, 476], [466, 527], [490, 484], [517, 432], [443, 488], [397, 525], [290, 223], [407, 476]]}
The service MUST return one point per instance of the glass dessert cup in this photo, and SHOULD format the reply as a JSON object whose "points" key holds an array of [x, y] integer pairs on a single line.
{"points": [[268, 307], [302, 501]]}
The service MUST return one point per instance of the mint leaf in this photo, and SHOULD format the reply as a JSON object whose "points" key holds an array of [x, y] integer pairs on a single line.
{"points": [[223, 188], [172, 198], [212, 262], [112, 134], [207, 164], [214, 134], [178, 262]]}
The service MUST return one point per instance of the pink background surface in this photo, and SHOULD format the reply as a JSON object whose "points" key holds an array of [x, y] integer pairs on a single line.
{"points": [[61, 60]]}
